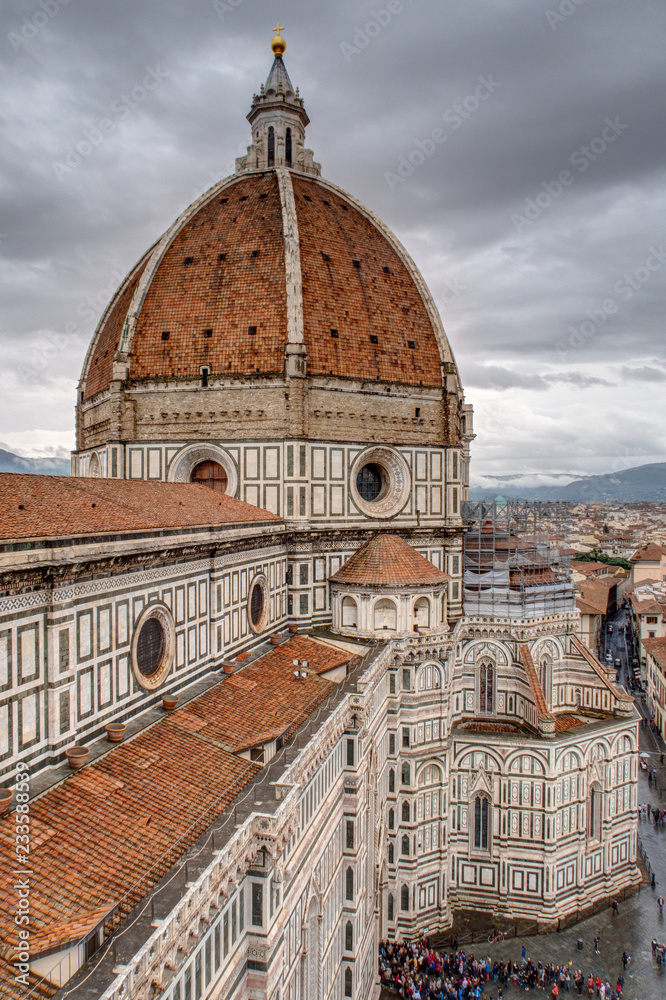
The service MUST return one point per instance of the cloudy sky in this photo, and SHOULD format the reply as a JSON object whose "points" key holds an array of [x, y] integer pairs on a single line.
{"points": [[537, 217]]}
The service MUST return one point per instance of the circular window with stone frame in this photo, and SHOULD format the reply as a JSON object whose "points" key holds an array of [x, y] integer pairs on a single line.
{"points": [[258, 604], [380, 482], [153, 646]]}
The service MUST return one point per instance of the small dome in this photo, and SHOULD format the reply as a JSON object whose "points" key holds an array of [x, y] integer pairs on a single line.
{"points": [[389, 561]]}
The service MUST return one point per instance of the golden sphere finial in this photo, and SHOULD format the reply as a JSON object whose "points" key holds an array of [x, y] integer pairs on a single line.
{"points": [[278, 44]]}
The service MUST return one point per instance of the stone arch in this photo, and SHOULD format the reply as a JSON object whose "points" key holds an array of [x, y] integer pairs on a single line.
{"points": [[421, 776], [421, 612], [349, 612], [184, 463], [430, 676], [516, 758], [385, 615], [94, 466]]}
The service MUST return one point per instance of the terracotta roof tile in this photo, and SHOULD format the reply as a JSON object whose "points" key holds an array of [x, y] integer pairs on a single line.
{"points": [[648, 553], [563, 723], [537, 690], [111, 830], [376, 296], [389, 561], [656, 648], [47, 506], [225, 272]]}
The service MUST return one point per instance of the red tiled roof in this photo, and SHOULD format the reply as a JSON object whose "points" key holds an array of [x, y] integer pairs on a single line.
{"points": [[599, 671], [388, 561], [537, 690], [278, 702], [47, 506], [359, 301], [111, 831], [565, 722], [194, 290], [656, 648], [649, 553]]}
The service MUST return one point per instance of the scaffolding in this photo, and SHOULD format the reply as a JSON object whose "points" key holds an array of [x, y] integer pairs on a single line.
{"points": [[511, 569]]}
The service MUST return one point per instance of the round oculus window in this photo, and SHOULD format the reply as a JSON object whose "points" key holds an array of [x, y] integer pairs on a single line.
{"points": [[257, 604], [372, 482], [380, 482], [153, 646], [150, 647]]}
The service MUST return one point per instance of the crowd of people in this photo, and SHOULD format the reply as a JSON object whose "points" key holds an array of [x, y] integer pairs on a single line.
{"points": [[417, 972], [649, 812]]}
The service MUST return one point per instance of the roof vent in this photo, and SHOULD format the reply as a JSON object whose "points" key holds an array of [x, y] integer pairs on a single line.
{"points": [[255, 253], [326, 256], [387, 270], [334, 333], [262, 196], [374, 339], [324, 202], [221, 256], [356, 263], [188, 260], [165, 334], [251, 330], [208, 332], [21, 507], [223, 201], [412, 344], [307, 197], [243, 197]]}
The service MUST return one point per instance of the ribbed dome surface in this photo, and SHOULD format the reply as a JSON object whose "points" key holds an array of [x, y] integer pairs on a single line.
{"points": [[214, 292], [388, 561]]}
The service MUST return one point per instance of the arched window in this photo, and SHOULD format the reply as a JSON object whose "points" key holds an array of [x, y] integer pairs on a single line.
{"points": [[481, 822], [486, 686], [385, 615], [271, 146], [405, 773], [287, 147], [391, 780], [349, 936], [348, 982], [405, 812], [404, 848], [349, 884], [594, 810], [391, 820], [94, 469], [422, 613], [391, 911], [391, 854], [404, 898], [430, 678], [349, 613], [545, 674]]}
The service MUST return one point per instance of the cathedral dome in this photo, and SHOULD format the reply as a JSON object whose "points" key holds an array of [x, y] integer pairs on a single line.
{"points": [[221, 290], [284, 297]]}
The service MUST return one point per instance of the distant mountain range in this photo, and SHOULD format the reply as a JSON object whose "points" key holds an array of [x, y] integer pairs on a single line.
{"points": [[42, 466], [644, 482]]}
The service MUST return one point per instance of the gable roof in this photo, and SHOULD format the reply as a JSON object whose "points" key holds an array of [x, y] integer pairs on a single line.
{"points": [[48, 506], [389, 561], [648, 553]]}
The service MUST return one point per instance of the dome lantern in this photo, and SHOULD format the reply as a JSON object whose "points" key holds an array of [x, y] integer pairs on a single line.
{"points": [[278, 119]]}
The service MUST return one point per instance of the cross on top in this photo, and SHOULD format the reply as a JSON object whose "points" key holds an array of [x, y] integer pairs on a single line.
{"points": [[280, 27]]}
